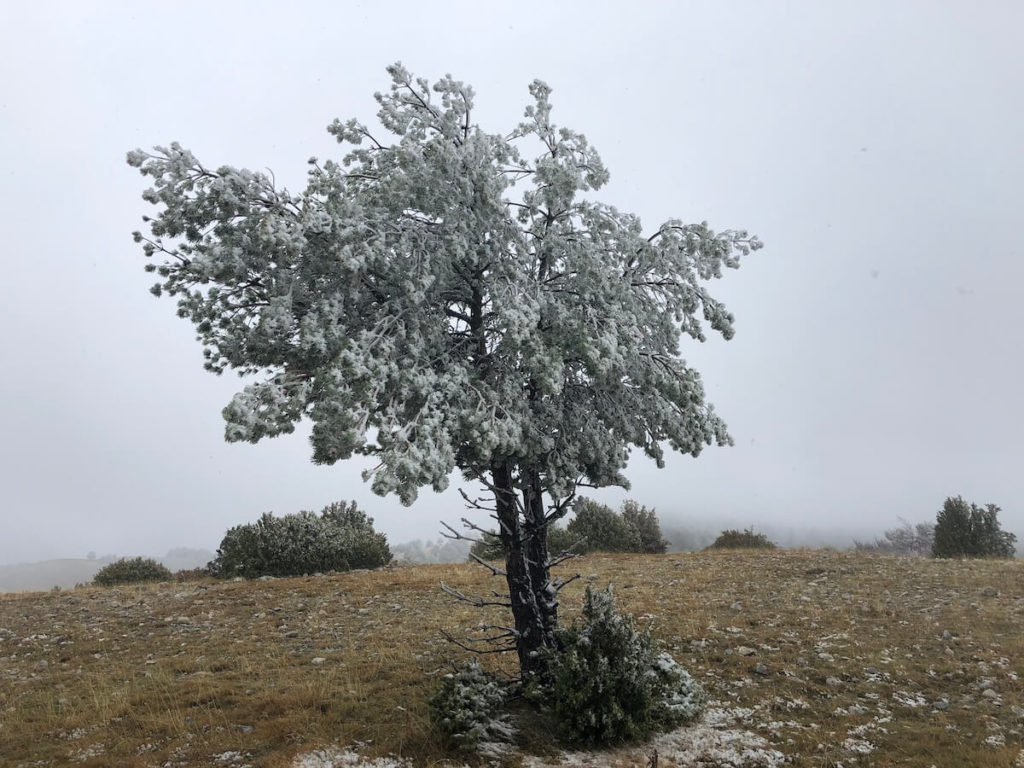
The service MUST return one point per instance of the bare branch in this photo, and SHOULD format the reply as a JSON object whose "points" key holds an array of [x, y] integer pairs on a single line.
{"points": [[561, 557], [479, 602], [456, 536], [557, 584], [494, 571], [455, 641], [475, 503], [474, 527]]}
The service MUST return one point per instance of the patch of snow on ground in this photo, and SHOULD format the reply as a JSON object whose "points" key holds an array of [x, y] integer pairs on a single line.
{"points": [[712, 742], [344, 758], [705, 744], [858, 746]]}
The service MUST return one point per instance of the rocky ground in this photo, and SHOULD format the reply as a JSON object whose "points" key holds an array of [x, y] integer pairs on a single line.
{"points": [[809, 658]]}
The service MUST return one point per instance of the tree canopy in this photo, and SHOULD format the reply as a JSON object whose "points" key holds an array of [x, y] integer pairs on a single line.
{"points": [[442, 300]]}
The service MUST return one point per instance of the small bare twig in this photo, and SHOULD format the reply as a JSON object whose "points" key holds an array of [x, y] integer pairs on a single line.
{"points": [[557, 584], [456, 536], [479, 602], [476, 503], [467, 647]]}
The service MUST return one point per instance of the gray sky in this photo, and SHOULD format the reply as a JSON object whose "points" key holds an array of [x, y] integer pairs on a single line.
{"points": [[874, 146]]}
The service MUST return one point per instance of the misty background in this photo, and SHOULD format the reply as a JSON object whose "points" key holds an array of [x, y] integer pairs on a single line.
{"points": [[874, 147]]}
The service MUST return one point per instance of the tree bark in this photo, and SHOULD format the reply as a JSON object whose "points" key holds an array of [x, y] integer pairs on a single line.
{"points": [[533, 609], [536, 529]]}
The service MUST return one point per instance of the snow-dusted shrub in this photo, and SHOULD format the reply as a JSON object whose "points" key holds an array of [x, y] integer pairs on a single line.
{"points": [[466, 709], [131, 571], [601, 529], [745, 539], [609, 684], [364, 547], [967, 530], [598, 528], [339, 539], [645, 523]]}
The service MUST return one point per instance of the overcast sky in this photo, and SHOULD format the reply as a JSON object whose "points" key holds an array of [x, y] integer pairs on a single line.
{"points": [[875, 147]]}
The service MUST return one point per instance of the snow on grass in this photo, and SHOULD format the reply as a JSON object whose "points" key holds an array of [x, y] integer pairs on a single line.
{"points": [[709, 743], [701, 745], [345, 758]]}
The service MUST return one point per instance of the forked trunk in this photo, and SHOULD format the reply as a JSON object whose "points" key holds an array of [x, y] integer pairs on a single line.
{"points": [[534, 608], [536, 530]]}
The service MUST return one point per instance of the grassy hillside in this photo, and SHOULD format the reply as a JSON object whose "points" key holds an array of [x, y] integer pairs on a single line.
{"points": [[829, 658]]}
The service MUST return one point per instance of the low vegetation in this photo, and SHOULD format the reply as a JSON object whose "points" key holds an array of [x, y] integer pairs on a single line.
{"points": [[745, 539], [826, 657], [340, 538], [595, 527], [601, 529], [135, 570], [610, 684]]}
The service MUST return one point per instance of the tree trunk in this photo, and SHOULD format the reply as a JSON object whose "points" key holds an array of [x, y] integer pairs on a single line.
{"points": [[536, 529], [533, 610]]}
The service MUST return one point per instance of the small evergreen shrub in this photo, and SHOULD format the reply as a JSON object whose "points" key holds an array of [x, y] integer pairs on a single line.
{"points": [[339, 539], [595, 527], [904, 540], [645, 523], [608, 684], [466, 709], [967, 530], [601, 529], [365, 547], [745, 539], [560, 540], [136, 570]]}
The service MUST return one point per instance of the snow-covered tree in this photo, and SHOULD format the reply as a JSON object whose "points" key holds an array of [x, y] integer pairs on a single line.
{"points": [[449, 299]]}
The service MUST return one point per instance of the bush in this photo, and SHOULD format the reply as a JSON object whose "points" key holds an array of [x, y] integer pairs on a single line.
{"points": [[192, 574], [904, 540], [600, 529], [595, 528], [365, 547], [645, 523], [466, 708], [560, 540], [967, 530], [339, 539], [745, 539], [134, 571], [607, 682]]}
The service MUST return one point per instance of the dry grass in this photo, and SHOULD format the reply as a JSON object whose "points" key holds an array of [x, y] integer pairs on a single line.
{"points": [[911, 661]]}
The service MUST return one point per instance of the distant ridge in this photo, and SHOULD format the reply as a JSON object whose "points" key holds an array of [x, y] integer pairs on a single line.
{"points": [[66, 573]]}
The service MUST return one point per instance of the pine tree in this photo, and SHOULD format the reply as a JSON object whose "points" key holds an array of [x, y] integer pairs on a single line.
{"points": [[445, 301]]}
